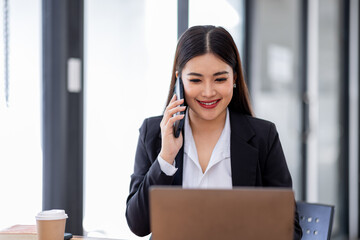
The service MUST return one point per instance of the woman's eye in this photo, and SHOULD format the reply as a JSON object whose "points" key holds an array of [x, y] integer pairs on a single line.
{"points": [[221, 79], [194, 80]]}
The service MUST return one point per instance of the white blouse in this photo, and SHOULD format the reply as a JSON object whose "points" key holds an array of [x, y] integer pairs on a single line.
{"points": [[218, 171]]}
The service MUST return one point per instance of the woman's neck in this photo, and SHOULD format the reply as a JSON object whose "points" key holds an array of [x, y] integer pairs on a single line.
{"points": [[200, 126]]}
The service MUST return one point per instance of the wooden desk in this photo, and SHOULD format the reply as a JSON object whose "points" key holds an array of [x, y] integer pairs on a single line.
{"points": [[34, 237], [28, 232], [90, 238]]}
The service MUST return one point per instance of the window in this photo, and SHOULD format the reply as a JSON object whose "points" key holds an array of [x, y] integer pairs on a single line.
{"points": [[129, 50], [20, 123]]}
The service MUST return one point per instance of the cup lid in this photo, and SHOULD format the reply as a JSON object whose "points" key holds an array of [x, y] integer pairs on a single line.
{"points": [[54, 214]]}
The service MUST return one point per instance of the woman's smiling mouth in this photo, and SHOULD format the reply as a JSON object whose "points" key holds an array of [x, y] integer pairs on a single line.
{"points": [[208, 104]]}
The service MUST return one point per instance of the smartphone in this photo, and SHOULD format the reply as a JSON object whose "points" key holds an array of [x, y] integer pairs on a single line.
{"points": [[179, 91]]}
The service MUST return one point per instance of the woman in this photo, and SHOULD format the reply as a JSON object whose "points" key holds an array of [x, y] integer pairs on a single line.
{"points": [[222, 145]]}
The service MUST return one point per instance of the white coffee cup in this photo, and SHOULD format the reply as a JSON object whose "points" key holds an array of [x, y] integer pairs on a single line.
{"points": [[51, 224]]}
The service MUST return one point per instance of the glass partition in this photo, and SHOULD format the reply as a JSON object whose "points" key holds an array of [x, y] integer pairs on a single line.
{"points": [[276, 91], [329, 108], [275, 75]]}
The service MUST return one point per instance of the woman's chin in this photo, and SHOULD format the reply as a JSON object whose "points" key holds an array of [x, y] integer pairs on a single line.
{"points": [[206, 114]]}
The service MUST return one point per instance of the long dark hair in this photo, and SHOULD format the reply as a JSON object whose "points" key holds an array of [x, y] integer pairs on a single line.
{"points": [[199, 40]]}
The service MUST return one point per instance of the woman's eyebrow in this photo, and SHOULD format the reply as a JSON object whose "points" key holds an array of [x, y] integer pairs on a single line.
{"points": [[195, 74], [221, 73], [215, 74]]}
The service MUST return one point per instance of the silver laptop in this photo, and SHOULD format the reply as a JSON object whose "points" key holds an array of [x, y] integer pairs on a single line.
{"points": [[239, 213]]}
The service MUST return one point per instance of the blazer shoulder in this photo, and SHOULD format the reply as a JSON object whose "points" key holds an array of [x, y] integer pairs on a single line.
{"points": [[248, 126], [259, 123], [153, 120], [265, 130], [150, 128]]}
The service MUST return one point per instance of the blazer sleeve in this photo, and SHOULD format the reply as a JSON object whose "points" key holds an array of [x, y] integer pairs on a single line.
{"points": [[276, 172], [147, 173]]}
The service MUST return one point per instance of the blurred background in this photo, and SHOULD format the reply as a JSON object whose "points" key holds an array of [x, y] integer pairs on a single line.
{"points": [[78, 77]]}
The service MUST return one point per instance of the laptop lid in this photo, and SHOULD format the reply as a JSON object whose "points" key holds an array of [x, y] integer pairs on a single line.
{"points": [[239, 213]]}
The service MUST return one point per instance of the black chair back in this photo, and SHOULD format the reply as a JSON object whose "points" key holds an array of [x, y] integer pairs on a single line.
{"points": [[315, 220]]}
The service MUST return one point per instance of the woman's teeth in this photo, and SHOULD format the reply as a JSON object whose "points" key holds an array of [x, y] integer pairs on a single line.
{"points": [[210, 103]]}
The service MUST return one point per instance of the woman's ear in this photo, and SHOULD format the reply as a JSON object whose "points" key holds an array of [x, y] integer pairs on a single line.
{"points": [[235, 77], [177, 74]]}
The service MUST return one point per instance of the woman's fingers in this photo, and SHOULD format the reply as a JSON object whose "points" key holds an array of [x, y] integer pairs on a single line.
{"points": [[171, 109], [171, 112], [174, 108], [170, 121], [171, 145], [169, 116], [174, 102], [174, 119]]}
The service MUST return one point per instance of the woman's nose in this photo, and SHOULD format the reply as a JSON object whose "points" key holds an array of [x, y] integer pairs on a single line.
{"points": [[208, 90]]}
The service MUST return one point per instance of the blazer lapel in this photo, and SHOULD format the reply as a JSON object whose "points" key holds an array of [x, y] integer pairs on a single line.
{"points": [[244, 157]]}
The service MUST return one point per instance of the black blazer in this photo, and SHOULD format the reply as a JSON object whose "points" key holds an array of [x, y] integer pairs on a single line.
{"points": [[257, 159]]}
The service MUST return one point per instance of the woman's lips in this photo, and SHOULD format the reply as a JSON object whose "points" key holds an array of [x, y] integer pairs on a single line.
{"points": [[209, 104]]}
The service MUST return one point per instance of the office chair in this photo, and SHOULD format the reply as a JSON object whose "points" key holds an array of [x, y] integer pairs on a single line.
{"points": [[315, 220]]}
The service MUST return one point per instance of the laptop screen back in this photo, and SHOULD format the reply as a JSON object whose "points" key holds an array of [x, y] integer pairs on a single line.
{"points": [[239, 213]]}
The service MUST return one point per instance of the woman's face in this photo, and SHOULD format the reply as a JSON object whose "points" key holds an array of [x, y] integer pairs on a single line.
{"points": [[208, 85]]}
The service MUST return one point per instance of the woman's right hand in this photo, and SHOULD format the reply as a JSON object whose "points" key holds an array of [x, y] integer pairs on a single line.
{"points": [[170, 145]]}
